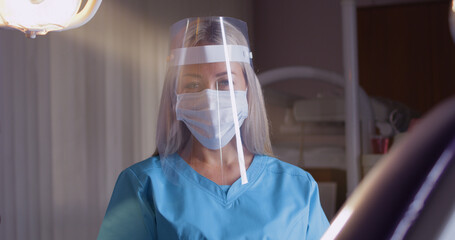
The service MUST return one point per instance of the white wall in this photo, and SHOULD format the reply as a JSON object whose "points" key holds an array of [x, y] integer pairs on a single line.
{"points": [[77, 107], [293, 32]]}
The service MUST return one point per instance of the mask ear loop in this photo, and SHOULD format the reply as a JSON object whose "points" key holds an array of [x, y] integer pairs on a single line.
{"points": [[234, 109]]}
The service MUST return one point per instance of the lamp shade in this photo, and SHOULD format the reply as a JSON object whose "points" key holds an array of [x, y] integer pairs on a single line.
{"points": [[37, 17]]}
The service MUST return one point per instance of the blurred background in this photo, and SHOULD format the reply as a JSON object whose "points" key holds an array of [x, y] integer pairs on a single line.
{"points": [[79, 106]]}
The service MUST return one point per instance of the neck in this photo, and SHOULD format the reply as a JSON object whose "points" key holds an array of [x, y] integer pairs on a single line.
{"points": [[222, 167], [228, 153]]}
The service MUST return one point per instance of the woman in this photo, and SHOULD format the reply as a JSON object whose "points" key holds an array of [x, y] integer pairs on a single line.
{"points": [[214, 176]]}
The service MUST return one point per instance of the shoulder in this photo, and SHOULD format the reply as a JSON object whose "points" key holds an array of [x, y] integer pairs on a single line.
{"points": [[143, 169], [277, 167], [150, 163]]}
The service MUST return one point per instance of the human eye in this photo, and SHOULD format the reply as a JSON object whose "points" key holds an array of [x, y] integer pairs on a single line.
{"points": [[223, 84], [192, 86]]}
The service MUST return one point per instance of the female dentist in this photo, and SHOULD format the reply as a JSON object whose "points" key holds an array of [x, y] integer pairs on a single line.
{"points": [[214, 175]]}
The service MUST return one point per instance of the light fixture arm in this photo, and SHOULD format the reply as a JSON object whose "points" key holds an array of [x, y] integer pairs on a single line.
{"points": [[85, 15]]}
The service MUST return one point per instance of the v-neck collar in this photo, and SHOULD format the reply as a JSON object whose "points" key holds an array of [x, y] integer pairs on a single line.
{"points": [[255, 169]]}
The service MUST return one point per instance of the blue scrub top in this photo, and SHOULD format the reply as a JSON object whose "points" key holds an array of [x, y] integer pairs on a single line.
{"points": [[170, 200]]}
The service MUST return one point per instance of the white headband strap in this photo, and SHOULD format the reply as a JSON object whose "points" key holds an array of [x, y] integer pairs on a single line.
{"points": [[209, 54]]}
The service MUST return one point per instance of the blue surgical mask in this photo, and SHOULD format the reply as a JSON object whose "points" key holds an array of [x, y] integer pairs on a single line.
{"points": [[208, 115]]}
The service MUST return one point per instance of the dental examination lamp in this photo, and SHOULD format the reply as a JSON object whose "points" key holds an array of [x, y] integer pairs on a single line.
{"points": [[38, 17]]}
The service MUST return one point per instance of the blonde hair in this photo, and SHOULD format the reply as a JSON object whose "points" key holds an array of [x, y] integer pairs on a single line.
{"points": [[172, 135]]}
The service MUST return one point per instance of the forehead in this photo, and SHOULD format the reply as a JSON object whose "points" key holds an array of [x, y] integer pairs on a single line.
{"points": [[209, 69]]}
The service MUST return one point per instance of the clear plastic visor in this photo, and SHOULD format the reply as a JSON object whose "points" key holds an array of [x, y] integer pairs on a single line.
{"points": [[208, 62]]}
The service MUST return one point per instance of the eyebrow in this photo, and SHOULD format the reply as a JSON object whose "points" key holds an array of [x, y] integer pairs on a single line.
{"points": [[192, 75], [223, 73]]}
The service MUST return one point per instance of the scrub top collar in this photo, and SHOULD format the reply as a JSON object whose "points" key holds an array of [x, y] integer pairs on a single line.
{"points": [[184, 170]]}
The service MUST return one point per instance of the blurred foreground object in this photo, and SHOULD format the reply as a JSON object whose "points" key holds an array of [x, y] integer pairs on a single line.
{"points": [[409, 194], [38, 17]]}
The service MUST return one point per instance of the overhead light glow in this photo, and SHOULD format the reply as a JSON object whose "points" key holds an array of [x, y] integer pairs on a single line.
{"points": [[37, 17]]}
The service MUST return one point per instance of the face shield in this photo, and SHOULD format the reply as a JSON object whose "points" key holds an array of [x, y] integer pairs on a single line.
{"points": [[206, 67]]}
